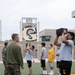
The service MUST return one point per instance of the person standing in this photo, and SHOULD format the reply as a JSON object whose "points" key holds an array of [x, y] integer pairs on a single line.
{"points": [[29, 56], [51, 59], [14, 57], [66, 52], [43, 59], [4, 55]]}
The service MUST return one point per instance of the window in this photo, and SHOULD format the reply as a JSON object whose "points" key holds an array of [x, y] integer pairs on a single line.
{"points": [[46, 38]]}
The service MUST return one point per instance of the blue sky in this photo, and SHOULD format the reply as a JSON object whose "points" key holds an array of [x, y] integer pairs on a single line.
{"points": [[51, 14]]}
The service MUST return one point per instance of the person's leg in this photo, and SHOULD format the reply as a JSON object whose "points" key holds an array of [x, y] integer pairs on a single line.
{"points": [[61, 68], [5, 66], [10, 70], [70, 66], [52, 68], [49, 66], [44, 67], [58, 66], [30, 69], [30, 66], [66, 68], [16, 69]]}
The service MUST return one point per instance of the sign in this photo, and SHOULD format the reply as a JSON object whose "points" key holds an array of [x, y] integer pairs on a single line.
{"points": [[29, 33]]}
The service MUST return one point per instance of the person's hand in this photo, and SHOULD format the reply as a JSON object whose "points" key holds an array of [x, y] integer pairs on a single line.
{"points": [[64, 31], [33, 61]]}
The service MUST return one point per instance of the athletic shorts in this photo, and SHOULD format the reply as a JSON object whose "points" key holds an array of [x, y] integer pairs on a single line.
{"points": [[43, 63], [29, 63], [66, 67], [51, 64], [58, 64]]}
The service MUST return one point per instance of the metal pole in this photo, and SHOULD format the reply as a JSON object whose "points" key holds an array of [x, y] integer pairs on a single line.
{"points": [[38, 38], [20, 30], [21, 27], [38, 46]]}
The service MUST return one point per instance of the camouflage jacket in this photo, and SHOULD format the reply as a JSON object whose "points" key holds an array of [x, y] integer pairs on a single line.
{"points": [[4, 55]]}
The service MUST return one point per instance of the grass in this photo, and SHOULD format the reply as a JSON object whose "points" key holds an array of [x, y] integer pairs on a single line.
{"points": [[36, 69]]}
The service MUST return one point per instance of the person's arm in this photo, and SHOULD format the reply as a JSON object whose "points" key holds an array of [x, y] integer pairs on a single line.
{"points": [[63, 38], [19, 55], [56, 41], [26, 49], [42, 54]]}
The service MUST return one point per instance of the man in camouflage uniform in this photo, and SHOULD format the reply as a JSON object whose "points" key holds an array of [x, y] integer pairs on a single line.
{"points": [[4, 55], [14, 57]]}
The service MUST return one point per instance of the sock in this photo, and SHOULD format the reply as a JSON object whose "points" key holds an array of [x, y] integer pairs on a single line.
{"points": [[45, 72], [53, 71]]}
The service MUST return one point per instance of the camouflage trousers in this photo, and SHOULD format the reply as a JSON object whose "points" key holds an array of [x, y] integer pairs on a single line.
{"points": [[5, 66], [13, 69]]}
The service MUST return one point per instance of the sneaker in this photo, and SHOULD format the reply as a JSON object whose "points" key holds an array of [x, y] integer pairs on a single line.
{"points": [[51, 73]]}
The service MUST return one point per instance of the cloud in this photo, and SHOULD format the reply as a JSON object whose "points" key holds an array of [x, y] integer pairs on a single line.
{"points": [[50, 13]]}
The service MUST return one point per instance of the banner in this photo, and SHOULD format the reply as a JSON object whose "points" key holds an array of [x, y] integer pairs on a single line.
{"points": [[29, 33]]}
